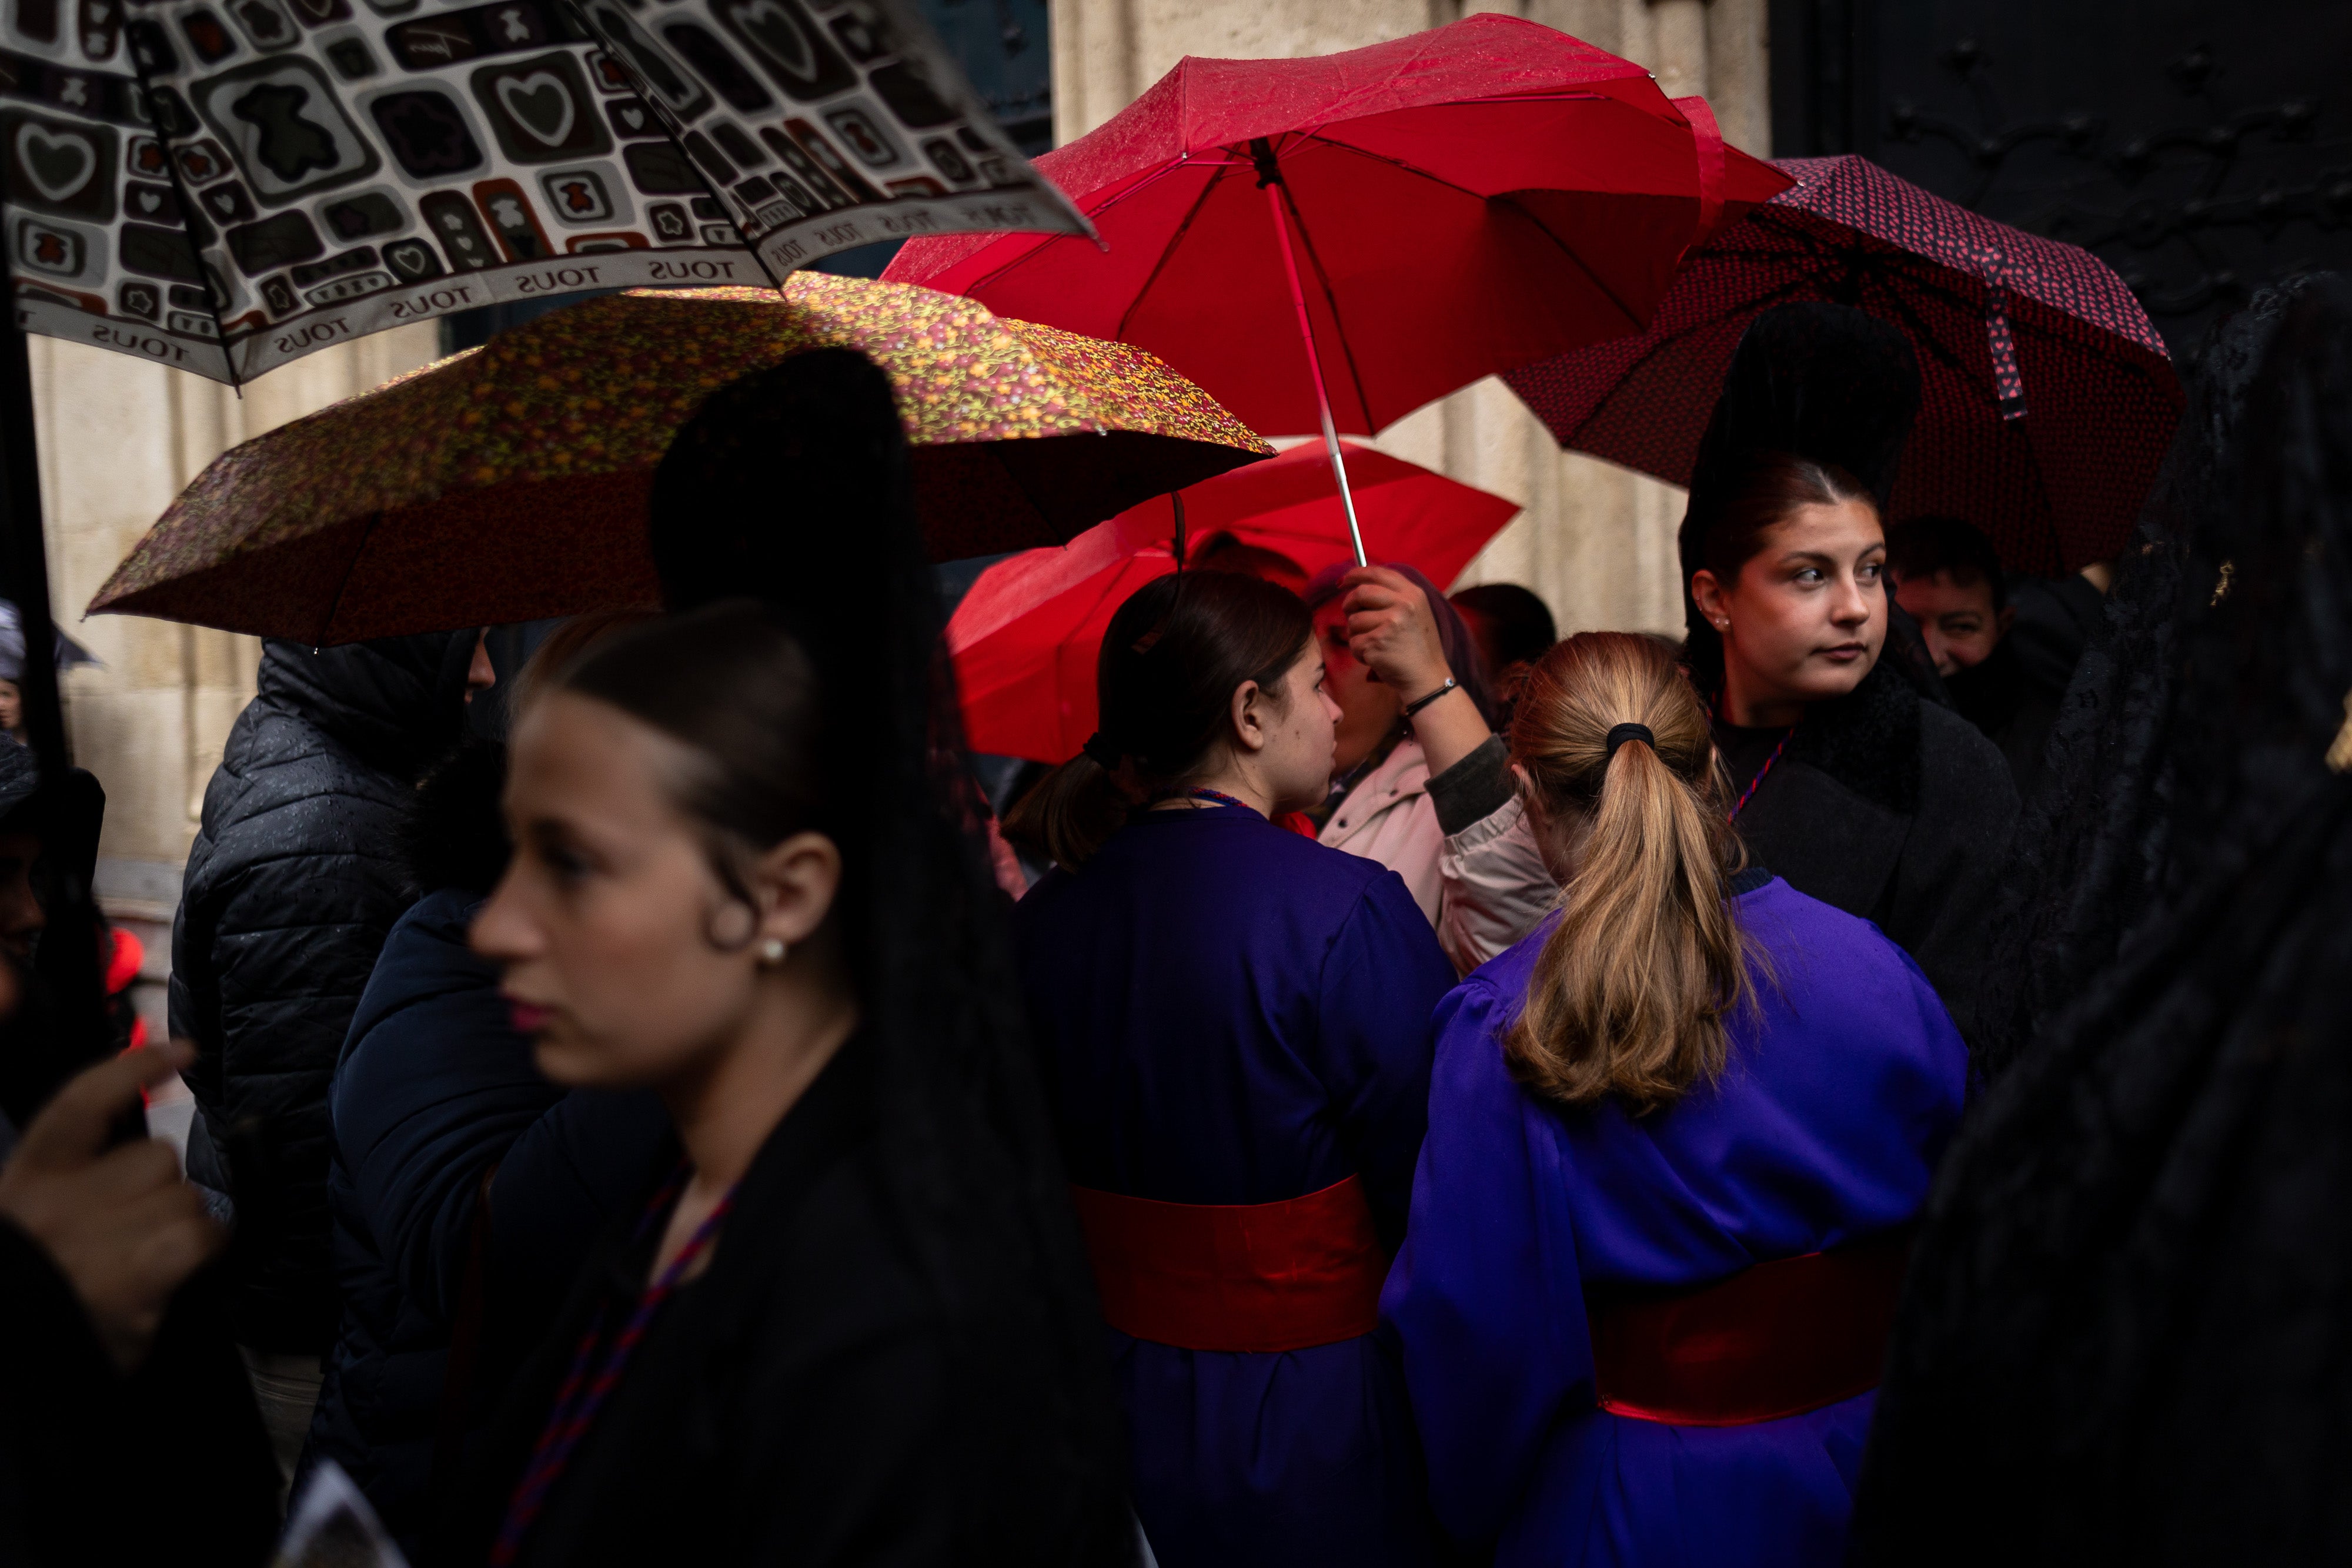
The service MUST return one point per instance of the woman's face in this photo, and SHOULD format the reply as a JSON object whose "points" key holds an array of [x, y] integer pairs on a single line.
{"points": [[1368, 708], [1807, 616], [604, 921], [12, 706], [1295, 765]]}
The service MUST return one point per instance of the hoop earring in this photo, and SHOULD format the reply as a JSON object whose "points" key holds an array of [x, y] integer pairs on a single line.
{"points": [[771, 952]]}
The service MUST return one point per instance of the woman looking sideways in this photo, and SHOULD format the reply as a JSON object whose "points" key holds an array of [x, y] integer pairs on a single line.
{"points": [[1234, 1023], [853, 1326], [1846, 781], [1674, 1136]]}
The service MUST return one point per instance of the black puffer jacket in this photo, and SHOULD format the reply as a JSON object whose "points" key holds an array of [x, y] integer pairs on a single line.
{"points": [[290, 888], [436, 1092], [435, 1095]]}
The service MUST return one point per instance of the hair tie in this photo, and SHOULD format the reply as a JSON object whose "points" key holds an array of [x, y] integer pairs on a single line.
{"points": [[1107, 755], [1625, 732]]}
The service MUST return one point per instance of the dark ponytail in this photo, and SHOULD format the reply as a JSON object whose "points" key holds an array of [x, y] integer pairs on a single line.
{"points": [[1171, 660]]}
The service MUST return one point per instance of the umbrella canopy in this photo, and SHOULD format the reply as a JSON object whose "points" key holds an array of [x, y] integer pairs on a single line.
{"points": [[510, 482], [1025, 639], [2046, 400], [12, 646], [227, 188], [1464, 200]]}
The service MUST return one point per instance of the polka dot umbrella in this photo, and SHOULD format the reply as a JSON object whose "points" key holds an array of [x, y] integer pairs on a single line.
{"points": [[510, 482], [2046, 398]]}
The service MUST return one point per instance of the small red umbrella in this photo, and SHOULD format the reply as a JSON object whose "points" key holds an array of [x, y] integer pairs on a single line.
{"points": [[1025, 638], [2046, 399], [1422, 212]]}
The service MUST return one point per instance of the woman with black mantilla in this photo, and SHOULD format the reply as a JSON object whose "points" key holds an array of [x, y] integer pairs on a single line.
{"points": [[1846, 781], [2124, 1335], [853, 1325]]}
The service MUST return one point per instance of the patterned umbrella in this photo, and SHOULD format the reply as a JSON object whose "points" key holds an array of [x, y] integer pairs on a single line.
{"points": [[226, 187], [2047, 400], [510, 482]]}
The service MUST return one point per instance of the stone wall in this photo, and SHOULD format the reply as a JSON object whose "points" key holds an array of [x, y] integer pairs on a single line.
{"points": [[119, 439], [1597, 541]]}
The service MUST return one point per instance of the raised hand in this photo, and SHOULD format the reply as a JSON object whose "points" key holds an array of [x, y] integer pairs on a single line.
{"points": [[1391, 630], [120, 1223]]}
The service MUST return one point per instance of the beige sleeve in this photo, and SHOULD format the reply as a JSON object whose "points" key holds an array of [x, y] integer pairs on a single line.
{"points": [[1496, 887]]}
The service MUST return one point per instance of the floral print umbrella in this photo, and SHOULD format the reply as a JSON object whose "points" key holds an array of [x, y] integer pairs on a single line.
{"points": [[510, 482]]}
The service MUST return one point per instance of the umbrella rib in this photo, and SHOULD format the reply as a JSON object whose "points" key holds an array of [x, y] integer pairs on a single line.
{"points": [[1331, 301], [1167, 251], [1769, 297], [997, 272], [213, 301], [1562, 245], [374, 519]]}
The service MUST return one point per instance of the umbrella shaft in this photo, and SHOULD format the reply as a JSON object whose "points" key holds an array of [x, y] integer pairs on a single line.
{"points": [[1315, 367]]}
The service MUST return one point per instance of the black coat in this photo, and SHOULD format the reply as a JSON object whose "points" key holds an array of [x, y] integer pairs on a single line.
{"points": [[2014, 709], [1893, 809], [168, 1465], [291, 886], [806, 1400], [434, 1091]]}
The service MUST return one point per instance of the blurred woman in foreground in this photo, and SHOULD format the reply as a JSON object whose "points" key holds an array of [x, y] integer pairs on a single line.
{"points": [[1845, 779], [1674, 1136], [853, 1325], [1236, 1023]]}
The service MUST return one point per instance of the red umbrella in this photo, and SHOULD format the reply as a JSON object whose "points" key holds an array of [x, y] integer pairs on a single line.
{"points": [[1025, 638], [1425, 211], [2046, 398]]}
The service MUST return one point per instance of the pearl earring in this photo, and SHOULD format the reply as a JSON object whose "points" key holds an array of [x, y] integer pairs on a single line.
{"points": [[771, 952], [1723, 625]]}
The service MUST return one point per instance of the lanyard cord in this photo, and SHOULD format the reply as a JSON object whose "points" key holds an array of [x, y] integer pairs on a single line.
{"points": [[1215, 797], [580, 1397], [1756, 783], [1218, 797]]}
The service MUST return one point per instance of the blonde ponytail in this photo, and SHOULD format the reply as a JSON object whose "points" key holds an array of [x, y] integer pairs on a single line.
{"points": [[1631, 990]]}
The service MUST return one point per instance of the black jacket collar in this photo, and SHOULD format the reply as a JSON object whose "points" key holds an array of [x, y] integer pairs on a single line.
{"points": [[1868, 740], [397, 704]]}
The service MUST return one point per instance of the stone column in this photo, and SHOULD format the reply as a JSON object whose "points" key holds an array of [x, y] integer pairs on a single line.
{"points": [[119, 439]]}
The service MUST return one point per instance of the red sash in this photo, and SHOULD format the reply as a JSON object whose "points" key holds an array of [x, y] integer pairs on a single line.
{"points": [[1241, 1277], [1778, 1339]]}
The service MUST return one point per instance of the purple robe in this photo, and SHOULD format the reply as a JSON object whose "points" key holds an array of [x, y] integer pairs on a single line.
{"points": [[1230, 1013], [1841, 1088]]}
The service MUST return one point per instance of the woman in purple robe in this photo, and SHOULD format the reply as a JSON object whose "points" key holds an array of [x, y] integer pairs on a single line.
{"points": [[1234, 1022], [1675, 1138]]}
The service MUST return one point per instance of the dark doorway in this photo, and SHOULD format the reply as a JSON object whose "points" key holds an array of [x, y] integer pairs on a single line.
{"points": [[2201, 148]]}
